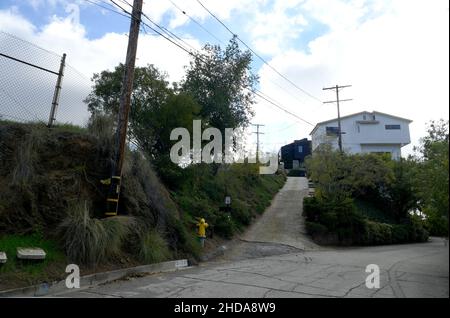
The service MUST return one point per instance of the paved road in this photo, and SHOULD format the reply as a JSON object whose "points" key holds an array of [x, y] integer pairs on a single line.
{"points": [[415, 270], [276, 259]]}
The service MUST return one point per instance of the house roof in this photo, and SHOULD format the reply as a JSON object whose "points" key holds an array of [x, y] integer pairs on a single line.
{"points": [[296, 142], [356, 114]]}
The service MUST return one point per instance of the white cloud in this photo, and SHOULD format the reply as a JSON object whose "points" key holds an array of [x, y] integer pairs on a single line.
{"points": [[157, 9], [397, 62], [88, 56], [394, 53], [270, 31]]}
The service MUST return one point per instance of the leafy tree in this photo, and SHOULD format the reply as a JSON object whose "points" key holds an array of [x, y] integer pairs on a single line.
{"points": [[156, 108], [150, 88], [433, 176], [339, 175], [401, 194], [220, 81]]}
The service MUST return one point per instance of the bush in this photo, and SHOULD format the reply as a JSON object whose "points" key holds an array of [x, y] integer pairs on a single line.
{"points": [[382, 233], [224, 226], [241, 212], [417, 232], [376, 233], [27, 156], [338, 216], [311, 209], [154, 248], [436, 225], [400, 233], [88, 240], [315, 229]]}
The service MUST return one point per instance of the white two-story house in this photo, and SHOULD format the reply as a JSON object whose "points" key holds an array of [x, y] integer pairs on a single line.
{"points": [[365, 132]]}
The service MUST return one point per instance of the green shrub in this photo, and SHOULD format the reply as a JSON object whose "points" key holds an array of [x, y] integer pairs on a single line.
{"points": [[400, 233], [382, 233], [376, 233], [338, 216], [27, 156], [88, 240], [417, 232], [241, 212], [436, 224], [153, 248], [314, 228], [311, 209], [224, 226]]}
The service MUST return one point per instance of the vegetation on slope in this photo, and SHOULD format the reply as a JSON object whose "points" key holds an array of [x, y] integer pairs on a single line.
{"points": [[371, 199], [52, 197]]}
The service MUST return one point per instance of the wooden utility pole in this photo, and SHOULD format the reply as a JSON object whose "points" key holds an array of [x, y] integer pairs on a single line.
{"points": [[257, 139], [337, 87], [124, 109]]}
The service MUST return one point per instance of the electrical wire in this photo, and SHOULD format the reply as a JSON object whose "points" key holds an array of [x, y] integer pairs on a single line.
{"points": [[255, 91], [258, 56]]}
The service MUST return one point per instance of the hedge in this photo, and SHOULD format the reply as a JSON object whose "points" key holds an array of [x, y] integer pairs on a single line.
{"points": [[349, 226]]}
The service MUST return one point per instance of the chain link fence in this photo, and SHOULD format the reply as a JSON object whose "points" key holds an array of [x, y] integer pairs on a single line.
{"points": [[28, 77]]}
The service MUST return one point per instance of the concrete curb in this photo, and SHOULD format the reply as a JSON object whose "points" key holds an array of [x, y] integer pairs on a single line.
{"points": [[59, 287]]}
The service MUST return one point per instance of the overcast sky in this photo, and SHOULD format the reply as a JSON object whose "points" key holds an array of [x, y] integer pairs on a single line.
{"points": [[395, 54]]}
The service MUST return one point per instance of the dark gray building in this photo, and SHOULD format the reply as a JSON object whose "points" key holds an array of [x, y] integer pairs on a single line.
{"points": [[293, 155]]}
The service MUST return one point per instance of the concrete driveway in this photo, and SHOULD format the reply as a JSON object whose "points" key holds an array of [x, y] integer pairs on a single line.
{"points": [[282, 222]]}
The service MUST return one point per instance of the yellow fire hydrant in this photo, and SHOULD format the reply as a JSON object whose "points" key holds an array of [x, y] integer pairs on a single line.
{"points": [[202, 225]]}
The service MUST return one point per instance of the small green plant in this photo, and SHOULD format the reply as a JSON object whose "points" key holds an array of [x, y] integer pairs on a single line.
{"points": [[90, 241], [68, 127], [102, 127], [154, 248], [24, 170]]}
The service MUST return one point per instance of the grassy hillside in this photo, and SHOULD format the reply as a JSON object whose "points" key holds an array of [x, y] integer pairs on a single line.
{"points": [[51, 196]]}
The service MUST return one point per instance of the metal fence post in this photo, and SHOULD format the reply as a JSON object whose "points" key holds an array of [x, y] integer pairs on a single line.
{"points": [[57, 91]]}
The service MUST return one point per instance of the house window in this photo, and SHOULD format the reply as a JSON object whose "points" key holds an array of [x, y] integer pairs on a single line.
{"points": [[373, 117], [364, 117], [392, 127], [300, 149], [332, 131]]}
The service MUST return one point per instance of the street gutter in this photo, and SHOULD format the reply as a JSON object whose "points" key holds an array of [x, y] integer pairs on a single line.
{"points": [[59, 287]]}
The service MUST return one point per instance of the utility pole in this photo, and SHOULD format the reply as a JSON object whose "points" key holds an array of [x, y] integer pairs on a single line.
{"points": [[55, 101], [124, 109], [257, 139], [337, 87]]}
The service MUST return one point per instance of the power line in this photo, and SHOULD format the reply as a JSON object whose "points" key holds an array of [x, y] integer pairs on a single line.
{"points": [[282, 129], [168, 38], [206, 30], [255, 91], [258, 93], [106, 8], [195, 21], [258, 56]]}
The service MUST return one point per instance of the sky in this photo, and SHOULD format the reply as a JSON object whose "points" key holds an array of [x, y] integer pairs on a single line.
{"points": [[395, 54]]}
